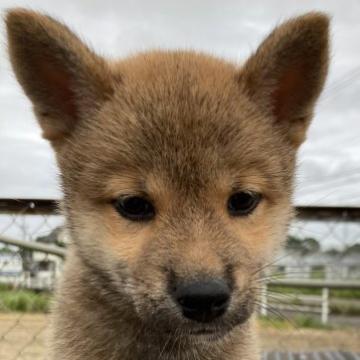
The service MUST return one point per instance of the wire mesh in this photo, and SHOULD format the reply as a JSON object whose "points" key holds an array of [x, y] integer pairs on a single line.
{"points": [[323, 245], [27, 278]]}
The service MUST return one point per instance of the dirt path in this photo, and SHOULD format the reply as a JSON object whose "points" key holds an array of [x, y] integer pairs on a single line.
{"points": [[23, 337], [310, 339]]}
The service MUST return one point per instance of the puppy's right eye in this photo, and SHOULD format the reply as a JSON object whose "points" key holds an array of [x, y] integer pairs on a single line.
{"points": [[135, 208], [243, 203]]}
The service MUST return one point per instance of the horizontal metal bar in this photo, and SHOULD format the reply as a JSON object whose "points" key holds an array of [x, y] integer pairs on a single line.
{"points": [[328, 213], [35, 246], [29, 206], [305, 283]]}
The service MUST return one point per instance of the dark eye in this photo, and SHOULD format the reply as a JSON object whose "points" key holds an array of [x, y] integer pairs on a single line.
{"points": [[243, 203], [134, 208]]}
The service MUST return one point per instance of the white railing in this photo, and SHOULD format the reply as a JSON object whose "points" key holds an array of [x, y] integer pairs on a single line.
{"points": [[324, 299]]}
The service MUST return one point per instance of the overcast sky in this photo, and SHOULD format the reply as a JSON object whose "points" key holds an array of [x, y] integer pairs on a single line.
{"points": [[329, 163]]}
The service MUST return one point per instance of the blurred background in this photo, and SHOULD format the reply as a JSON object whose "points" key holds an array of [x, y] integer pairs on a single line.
{"points": [[311, 303]]}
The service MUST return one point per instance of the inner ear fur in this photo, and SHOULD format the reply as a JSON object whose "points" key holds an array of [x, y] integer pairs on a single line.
{"points": [[286, 74], [62, 77]]}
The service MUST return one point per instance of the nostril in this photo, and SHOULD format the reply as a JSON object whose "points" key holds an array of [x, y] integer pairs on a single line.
{"points": [[220, 302], [203, 300]]}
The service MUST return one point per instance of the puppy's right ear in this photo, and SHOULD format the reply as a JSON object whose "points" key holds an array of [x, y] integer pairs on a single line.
{"points": [[286, 74], [62, 77]]}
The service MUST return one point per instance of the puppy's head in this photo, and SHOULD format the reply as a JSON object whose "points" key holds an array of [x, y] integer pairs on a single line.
{"points": [[176, 166]]}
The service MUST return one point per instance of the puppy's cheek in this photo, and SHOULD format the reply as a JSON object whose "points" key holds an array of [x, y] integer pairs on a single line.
{"points": [[260, 236], [263, 232], [103, 230], [103, 242], [145, 282], [125, 250], [242, 309], [277, 224], [245, 297]]}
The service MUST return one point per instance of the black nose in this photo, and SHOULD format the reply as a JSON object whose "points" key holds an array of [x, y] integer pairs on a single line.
{"points": [[203, 301]]}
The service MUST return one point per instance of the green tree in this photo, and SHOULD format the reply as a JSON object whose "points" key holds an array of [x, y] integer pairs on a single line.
{"points": [[311, 245], [303, 246]]}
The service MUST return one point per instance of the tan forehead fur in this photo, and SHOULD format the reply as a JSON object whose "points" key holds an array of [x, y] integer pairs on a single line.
{"points": [[182, 116]]}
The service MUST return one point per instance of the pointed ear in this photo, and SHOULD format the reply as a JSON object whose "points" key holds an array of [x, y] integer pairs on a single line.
{"points": [[62, 77], [285, 76]]}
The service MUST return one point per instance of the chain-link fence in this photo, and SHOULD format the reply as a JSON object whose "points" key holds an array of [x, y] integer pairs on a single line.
{"points": [[322, 250], [31, 259]]}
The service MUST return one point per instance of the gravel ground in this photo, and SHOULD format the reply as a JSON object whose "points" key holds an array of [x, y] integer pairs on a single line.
{"points": [[23, 337]]}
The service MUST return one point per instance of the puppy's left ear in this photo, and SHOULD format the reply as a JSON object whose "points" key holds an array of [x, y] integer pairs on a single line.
{"points": [[64, 79], [285, 76]]}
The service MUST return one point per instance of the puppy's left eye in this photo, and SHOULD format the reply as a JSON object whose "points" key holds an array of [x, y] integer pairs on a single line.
{"points": [[243, 203], [134, 208]]}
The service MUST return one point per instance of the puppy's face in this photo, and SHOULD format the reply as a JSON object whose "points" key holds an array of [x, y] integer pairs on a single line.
{"points": [[179, 180], [177, 167]]}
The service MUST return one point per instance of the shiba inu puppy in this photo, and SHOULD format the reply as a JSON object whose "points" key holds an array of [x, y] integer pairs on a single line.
{"points": [[177, 171]]}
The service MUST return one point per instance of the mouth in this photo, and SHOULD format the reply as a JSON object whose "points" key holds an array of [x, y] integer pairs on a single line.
{"points": [[208, 335], [203, 332]]}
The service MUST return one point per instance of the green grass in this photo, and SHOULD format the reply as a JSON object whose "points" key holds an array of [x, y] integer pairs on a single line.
{"points": [[306, 321], [23, 301], [343, 293], [298, 321], [345, 309]]}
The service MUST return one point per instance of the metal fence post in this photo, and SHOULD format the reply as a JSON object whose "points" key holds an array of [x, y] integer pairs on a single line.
{"points": [[325, 305]]}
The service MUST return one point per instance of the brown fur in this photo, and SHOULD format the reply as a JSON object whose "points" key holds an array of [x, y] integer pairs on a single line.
{"points": [[186, 129]]}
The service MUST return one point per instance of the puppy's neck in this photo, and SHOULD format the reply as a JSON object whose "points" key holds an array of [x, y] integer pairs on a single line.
{"points": [[98, 323]]}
